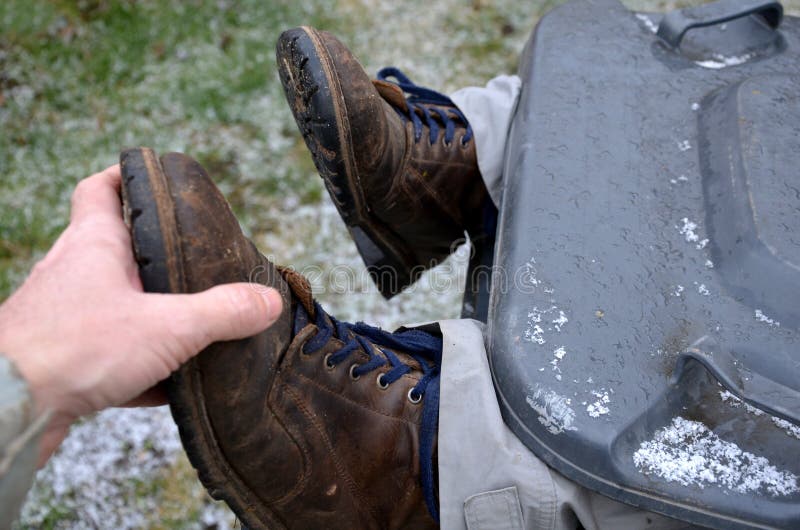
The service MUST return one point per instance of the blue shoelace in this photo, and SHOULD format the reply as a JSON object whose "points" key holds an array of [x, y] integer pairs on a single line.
{"points": [[425, 348], [419, 109]]}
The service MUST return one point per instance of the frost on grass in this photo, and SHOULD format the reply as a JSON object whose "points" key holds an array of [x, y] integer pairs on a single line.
{"points": [[789, 428], [761, 317], [554, 410], [688, 453], [100, 469]]}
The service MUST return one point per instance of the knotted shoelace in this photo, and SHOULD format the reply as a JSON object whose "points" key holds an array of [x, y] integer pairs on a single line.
{"points": [[421, 113], [423, 347]]}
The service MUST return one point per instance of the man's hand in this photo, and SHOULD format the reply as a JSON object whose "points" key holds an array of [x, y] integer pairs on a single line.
{"points": [[85, 336]]}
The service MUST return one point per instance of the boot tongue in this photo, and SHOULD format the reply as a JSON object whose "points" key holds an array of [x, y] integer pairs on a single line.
{"points": [[300, 288], [392, 93]]}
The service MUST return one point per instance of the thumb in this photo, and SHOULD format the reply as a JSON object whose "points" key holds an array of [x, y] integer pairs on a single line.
{"points": [[224, 312]]}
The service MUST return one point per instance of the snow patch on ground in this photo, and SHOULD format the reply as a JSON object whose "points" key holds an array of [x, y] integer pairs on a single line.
{"points": [[689, 453]]}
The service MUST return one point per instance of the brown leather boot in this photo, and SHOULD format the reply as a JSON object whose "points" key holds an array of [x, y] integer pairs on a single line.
{"points": [[401, 170], [313, 423]]}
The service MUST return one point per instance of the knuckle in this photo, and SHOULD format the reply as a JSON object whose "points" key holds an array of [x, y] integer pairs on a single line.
{"points": [[81, 189], [188, 332], [81, 193]]}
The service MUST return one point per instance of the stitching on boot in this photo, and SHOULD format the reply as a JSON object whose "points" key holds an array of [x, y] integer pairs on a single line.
{"points": [[351, 401], [338, 464]]}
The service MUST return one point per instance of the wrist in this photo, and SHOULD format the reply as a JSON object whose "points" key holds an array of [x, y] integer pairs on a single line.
{"points": [[44, 426], [36, 374]]}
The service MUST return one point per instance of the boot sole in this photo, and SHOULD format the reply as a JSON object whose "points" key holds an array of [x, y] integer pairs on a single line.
{"points": [[315, 97], [149, 209]]}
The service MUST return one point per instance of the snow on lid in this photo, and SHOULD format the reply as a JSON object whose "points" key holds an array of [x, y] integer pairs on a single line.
{"points": [[560, 321], [689, 234], [689, 453], [721, 61], [789, 428], [688, 230], [558, 354], [761, 317], [554, 410], [647, 22], [535, 332], [600, 406], [529, 274]]}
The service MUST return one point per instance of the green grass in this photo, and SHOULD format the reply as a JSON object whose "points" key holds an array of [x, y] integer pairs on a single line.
{"points": [[81, 79]]}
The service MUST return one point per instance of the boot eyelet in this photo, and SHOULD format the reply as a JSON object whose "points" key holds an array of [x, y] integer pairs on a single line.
{"points": [[446, 143], [352, 376], [382, 384], [327, 362], [414, 397]]}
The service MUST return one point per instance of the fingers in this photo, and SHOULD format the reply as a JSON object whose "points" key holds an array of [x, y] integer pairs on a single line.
{"points": [[152, 397], [98, 194], [225, 312]]}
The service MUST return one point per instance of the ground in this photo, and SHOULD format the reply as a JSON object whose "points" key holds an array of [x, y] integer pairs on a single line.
{"points": [[81, 79]]}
